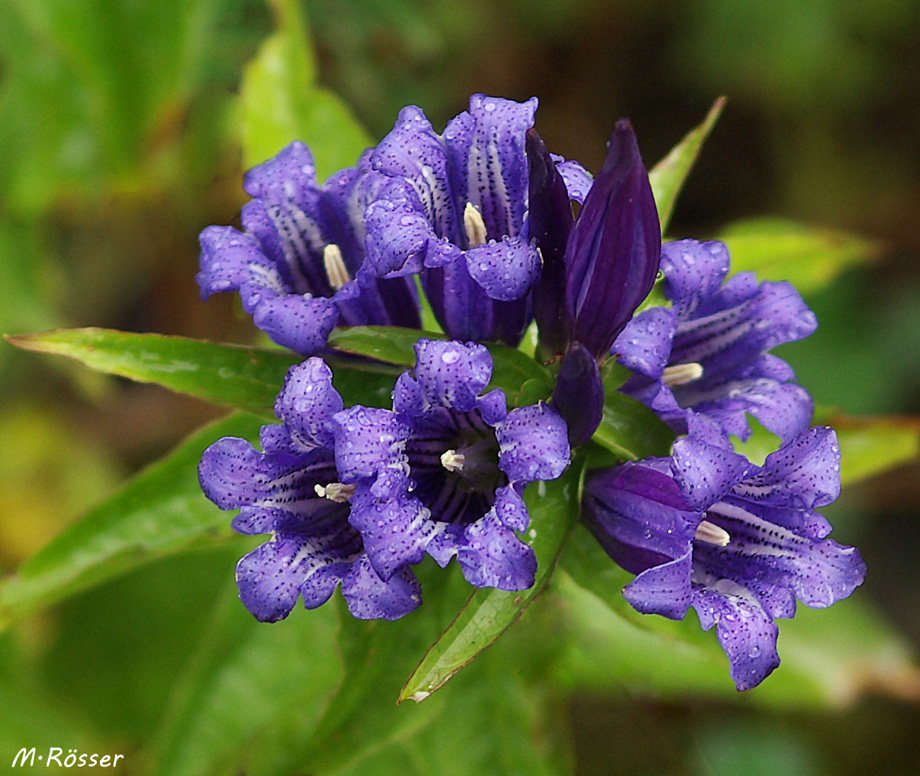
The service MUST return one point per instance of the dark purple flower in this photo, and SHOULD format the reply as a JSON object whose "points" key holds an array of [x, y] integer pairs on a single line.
{"points": [[444, 471], [292, 491], [456, 210], [737, 542], [709, 352], [303, 245]]}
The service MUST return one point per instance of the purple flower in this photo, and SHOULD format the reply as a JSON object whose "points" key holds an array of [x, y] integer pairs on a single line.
{"points": [[444, 471], [456, 210], [292, 491], [708, 353], [737, 542], [303, 245]]}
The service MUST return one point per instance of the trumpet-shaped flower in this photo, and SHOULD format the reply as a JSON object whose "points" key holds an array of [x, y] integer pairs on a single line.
{"points": [[737, 542], [302, 247], [444, 471], [709, 352], [292, 491]]}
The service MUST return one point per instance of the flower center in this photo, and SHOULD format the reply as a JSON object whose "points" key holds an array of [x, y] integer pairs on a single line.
{"points": [[712, 534], [339, 492], [474, 225], [681, 374], [336, 270], [454, 465]]}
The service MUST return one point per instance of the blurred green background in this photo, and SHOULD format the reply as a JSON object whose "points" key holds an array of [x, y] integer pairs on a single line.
{"points": [[120, 137]]}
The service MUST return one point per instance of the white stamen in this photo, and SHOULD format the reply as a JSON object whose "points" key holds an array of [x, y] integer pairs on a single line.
{"points": [[452, 460], [474, 225], [712, 534], [335, 491], [335, 266], [680, 374]]}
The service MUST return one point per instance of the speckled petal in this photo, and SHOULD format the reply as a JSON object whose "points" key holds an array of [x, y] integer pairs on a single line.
{"points": [[301, 323], [706, 472], [664, 589], [492, 556], [745, 631], [451, 374], [506, 269], [369, 440], [307, 403], [533, 443], [578, 180], [395, 531], [693, 272], [804, 474], [370, 598], [487, 149], [645, 344]]}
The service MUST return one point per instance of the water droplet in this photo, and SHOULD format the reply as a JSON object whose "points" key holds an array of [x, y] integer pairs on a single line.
{"points": [[450, 356]]}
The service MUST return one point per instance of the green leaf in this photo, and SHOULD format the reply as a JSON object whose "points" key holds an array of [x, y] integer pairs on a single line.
{"points": [[281, 101], [668, 176], [233, 375], [390, 344], [252, 694], [809, 257], [243, 377], [631, 430], [363, 716], [159, 512], [488, 613], [495, 719], [870, 446]]}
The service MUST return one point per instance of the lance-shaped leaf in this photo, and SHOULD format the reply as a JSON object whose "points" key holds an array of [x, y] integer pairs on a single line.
{"points": [[159, 512], [614, 249], [232, 375], [669, 175], [631, 430], [488, 613]]}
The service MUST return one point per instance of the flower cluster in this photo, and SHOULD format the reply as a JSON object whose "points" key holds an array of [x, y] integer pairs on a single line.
{"points": [[502, 233]]}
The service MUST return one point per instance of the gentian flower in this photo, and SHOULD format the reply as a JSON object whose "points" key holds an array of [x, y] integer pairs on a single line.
{"points": [[708, 353], [443, 473], [456, 210], [303, 245], [292, 491], [737, 542]]}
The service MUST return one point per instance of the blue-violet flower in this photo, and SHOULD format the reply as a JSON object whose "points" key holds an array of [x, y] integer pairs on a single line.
{"points": [[456, 211], [292, 491], [303, 246], [708, 353], [737, 542], [444, 471]]}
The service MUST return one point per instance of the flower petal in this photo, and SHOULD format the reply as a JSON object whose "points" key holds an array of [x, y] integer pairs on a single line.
{"points": [[492, 556], [370, 598], [664, 589], [451, 374], [307, 403], [486, 147], [506, 270], [745, 631]]}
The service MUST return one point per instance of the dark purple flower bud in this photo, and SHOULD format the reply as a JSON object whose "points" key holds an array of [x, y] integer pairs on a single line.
{"points": [[613, 252], [551, 222], [579, 394]]}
